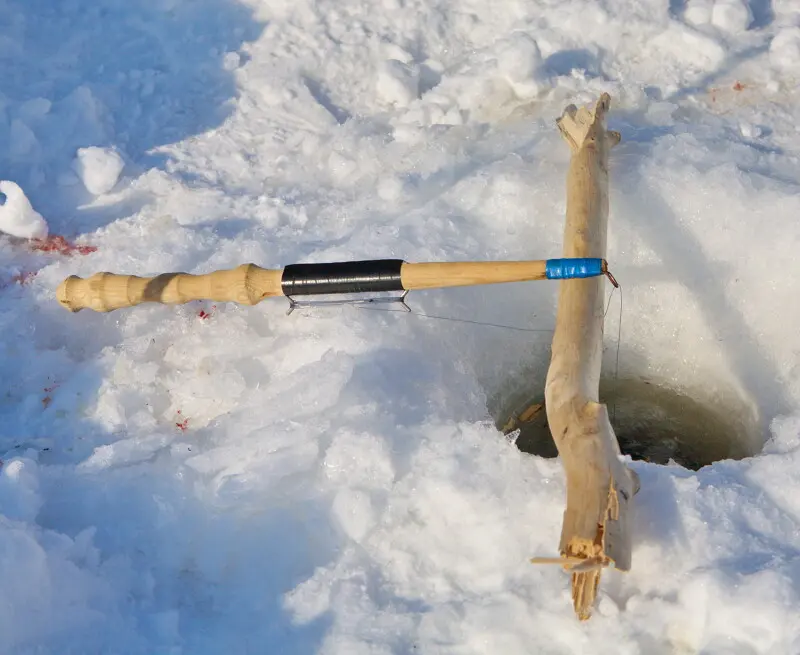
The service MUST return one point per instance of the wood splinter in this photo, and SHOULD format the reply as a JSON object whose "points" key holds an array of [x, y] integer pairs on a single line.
{"points": [[600, 488]]}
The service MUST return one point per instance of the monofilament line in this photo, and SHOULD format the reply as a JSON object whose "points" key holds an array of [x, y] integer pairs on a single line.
{"points": [[455, 319], [619, 339]]}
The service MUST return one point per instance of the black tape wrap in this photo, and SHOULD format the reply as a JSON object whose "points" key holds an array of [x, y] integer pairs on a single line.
{"points": [[370, 276]]}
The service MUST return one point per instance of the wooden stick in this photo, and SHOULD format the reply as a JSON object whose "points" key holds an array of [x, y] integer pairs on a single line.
{"points": [[600, 487], [249, 284], [456, 274]]}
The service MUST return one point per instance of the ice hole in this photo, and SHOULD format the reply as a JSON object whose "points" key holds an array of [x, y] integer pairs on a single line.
{"points": [[653, 423]]}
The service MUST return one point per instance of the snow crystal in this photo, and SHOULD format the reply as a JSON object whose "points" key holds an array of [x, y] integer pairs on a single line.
{"points": [[98, 168]]}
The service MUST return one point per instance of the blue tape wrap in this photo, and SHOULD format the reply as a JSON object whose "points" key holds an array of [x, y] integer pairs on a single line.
{"points": [[565, 269]]}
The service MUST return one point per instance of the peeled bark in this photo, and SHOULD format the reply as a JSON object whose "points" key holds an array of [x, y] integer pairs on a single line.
{"points": [[600, 488]]}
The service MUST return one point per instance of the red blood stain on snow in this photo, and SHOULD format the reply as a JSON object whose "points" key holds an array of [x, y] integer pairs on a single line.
{"points": [[49, 390], [182, 425], [205, 315], [58, 244]]}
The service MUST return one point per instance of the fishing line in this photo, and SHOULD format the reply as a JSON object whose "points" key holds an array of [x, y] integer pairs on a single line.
{"points": [[409, 311], [619, 340], [455, 319], [619, 334]]}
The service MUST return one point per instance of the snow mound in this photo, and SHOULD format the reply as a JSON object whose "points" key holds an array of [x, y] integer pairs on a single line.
{"points": [[19, 495], [98, 168], [520, 61], [731, 16], [17, 216], [488, 84]]}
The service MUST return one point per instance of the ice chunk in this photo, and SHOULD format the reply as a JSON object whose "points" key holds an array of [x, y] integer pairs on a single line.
{"points": [[727, 15], [520, 60], [750, 131], [98, 168], [731, 15], [17, 216], [397, 83], [698, 12]]}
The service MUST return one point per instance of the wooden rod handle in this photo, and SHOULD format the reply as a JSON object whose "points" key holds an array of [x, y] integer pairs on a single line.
{"points": [[104, 292], [455, 274], [248, 284]]}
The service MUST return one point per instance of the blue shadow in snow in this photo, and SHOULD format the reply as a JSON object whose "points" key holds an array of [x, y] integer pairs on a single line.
{"points": [[134, 76], [564, 62], [763, 14]]}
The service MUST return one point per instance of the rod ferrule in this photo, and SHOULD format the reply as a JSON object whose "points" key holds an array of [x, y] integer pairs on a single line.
{"points": [[576, 267]]}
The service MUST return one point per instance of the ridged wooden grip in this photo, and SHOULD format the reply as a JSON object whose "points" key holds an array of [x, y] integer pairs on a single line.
{"points": [[104, 292]]}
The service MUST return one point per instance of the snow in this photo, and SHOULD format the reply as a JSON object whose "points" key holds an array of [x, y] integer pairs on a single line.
{"points": [[731, 16], [98, 168], [397, 83], [784, 50], [17, 216], [210, 478]]}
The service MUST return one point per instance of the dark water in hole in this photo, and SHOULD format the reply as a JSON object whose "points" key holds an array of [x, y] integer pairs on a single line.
{"points": [[652, 423]]}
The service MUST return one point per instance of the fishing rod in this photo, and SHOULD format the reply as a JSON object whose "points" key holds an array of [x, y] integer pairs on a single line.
{"points": [[249, 284]]}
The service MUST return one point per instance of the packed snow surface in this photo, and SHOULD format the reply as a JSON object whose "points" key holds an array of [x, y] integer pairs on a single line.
{"points": [[213, 478]]}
